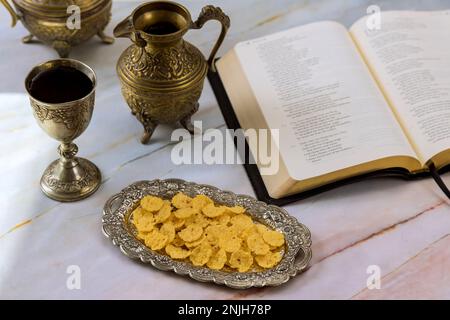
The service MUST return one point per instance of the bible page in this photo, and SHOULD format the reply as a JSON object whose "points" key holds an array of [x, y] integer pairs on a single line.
{"points": [[410, 57], [312, 84]]}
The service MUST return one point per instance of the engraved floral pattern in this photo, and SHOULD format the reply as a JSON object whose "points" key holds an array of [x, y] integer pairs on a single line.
{"points": [[160, 109], [75, 117], [117, 227], [163, 64], [90, 178], [212, 13]]}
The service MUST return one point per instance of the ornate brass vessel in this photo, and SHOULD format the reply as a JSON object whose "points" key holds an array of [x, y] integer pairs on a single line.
{"points": [[47, 21], [69, 178], [162, 75]]}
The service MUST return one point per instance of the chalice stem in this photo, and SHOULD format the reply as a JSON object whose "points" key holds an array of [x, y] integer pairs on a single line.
{"points": [[68, 168], [67, 152]]}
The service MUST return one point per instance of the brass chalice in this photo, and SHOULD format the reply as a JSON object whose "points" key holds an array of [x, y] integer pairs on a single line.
{"points": [[62, 94]]}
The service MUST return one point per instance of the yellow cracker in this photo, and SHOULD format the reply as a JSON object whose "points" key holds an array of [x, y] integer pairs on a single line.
{"points": [[212, 211], [217, 260], [181, 201], [196, 243], [235, 230], [257, 245], [141, 235], [224, 219], [138, 214], [248, 232], [241, 222], [151, 203], [273, 238], [146, 223], [156, 240], [210, 222], [241, 260], [212, 233], [235, 209], [268, 260], [177, 223], [184, 213], [191, 233], [178, 242], [201, 255], [230, 242], [177, 253], [169, 230], [244, 247], [262, 228], [164, 213], [198, 219], [201, 201]]}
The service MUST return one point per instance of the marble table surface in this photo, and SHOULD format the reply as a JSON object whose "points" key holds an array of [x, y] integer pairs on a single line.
{"points": [[401, 228]]}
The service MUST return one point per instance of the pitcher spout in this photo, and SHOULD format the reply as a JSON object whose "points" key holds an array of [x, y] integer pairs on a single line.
{"points": [[124, 29]]}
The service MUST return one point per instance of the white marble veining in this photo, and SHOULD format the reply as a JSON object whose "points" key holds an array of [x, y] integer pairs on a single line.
{"points": [[401, 227]]}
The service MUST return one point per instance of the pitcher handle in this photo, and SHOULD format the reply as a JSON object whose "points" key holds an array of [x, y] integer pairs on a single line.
{"points": [[213, 13], [14, 15]]}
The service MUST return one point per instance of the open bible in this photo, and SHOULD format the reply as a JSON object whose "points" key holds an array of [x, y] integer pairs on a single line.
{"points": [[348, 104]]}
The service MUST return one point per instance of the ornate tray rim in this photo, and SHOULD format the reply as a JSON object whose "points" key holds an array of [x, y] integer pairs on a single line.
{"points": [[296, 258]]}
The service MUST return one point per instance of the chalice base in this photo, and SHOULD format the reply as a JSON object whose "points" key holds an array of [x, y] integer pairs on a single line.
{"points": [[70, 181]]}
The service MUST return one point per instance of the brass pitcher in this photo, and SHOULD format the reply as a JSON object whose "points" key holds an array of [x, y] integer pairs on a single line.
{"points": [[162, 75], [47, 20]]}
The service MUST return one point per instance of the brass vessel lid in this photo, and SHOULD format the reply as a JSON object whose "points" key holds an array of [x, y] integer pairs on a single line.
{"points": [[58, 8]]}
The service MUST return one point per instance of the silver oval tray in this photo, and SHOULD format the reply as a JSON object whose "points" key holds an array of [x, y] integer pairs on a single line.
{"points": [[117, 227]]}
